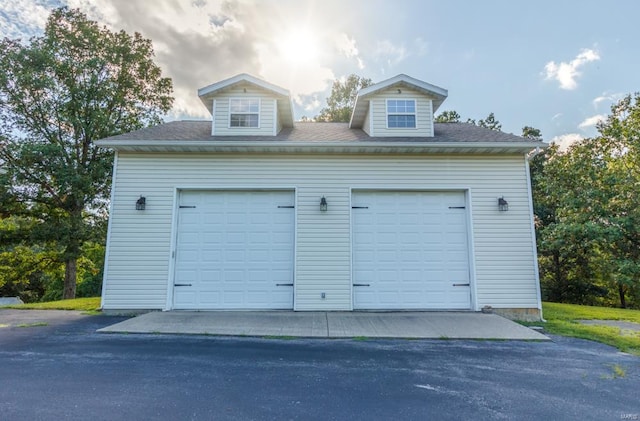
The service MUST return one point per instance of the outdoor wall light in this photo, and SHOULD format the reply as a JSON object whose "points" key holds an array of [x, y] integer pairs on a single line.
{"points": [[141, 203], [323, 204], [503, 205]]}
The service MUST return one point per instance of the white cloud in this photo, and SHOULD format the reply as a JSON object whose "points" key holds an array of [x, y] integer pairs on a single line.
{"points": [[592, 121], [347, 47], [22, 18], [566, 140], [567, 73], [606, 97], [390, 53]]}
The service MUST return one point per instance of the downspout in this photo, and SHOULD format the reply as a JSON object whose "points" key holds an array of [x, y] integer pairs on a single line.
{"points": [[529, 157]]}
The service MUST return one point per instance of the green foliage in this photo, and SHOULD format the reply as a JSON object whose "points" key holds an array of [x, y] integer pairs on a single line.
{"points": [[490, 123], [588, 214], [448, 117], [452, 116], [59, 93], [342, 99], [531, 133], [35, 273]]}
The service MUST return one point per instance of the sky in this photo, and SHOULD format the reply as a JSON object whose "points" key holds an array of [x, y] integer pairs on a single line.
{"points": [[554, 65]]}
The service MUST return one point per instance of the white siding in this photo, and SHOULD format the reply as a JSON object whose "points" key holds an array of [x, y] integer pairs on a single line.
{"points": [[366, 126], [378, 112], [267, 113], [139, 252]]}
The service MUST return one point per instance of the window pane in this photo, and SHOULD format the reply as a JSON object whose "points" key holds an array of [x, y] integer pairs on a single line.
{"points": [[401, 106], [402, 121], [238, 105], [244, 120]]}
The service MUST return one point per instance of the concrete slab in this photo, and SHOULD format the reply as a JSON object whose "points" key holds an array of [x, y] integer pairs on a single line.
{"points": [[329, 324]]}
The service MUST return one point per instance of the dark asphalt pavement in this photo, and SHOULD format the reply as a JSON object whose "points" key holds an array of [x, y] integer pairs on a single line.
{"points": [[66, 371]]}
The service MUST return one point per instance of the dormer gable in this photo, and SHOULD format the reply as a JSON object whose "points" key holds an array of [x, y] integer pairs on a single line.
{"points": [[245, 105], [397, 107]]}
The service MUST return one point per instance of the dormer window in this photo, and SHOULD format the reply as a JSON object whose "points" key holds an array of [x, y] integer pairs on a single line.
{"points": [[244, 112], [401, 113]]}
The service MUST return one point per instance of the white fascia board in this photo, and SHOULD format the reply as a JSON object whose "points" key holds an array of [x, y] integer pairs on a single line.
{"points": [[436, 90], [243, 77], [237, 145]]}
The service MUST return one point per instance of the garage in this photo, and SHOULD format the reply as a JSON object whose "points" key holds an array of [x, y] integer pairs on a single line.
{"points": [[410, 250], [234, 250]]}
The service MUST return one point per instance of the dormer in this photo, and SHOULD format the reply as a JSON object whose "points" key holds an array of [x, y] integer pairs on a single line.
{"points": [[398, 107], [247, 106]]}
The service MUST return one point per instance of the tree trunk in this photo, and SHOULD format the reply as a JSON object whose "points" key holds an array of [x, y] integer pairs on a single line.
{"points": [[70, 277], [623, 301]]}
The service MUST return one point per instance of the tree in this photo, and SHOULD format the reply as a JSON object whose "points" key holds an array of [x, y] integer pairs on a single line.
{"points": [[490, 123], [448, 117], [453, 117], [531, 133], [342, 99], [60, 92], [595, 231]]}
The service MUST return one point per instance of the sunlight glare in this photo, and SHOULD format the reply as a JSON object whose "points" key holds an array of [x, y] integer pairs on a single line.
{"points": [[299, 46]]}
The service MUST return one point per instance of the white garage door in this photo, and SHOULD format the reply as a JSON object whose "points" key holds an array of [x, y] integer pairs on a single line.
{"points": [[410, 251], [234, 250]]}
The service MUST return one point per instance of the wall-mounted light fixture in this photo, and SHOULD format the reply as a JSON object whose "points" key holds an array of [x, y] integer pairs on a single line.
{"points": [[323, 204], [141, 203], [503, 205], [399, 91]]}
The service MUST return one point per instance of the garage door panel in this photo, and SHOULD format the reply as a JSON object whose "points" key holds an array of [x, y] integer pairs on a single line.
{"points": [[232, 249], [410, 247]]}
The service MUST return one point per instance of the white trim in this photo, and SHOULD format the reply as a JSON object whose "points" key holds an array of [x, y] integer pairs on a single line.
{"points": [[472, 251], [173, 249], [243, 77], [321, 146], [371, 125], [536, 270], [431, 119], [473, 304], [351, 291], [213, 120], [259, 113], [433, 89], [295, 250], [275, 117], [415, 113], [107, 250]]}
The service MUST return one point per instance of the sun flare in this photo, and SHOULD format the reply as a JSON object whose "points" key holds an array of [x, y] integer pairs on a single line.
{"points": [[299, 46]]}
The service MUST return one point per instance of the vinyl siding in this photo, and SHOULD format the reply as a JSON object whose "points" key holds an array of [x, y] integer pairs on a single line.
{"points": [[366, 126], [138, 269], [267, 112], [378, 112]]}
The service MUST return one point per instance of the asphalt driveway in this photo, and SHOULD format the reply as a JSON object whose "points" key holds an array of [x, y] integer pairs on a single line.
{"points": [[64, 370]]}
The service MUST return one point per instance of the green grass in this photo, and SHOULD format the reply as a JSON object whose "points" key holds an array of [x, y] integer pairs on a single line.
{"points": [[562, 319], [89, 305]]}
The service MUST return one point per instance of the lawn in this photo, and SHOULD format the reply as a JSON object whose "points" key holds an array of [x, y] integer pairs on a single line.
{"points": [[81, 304], [562, 319]]}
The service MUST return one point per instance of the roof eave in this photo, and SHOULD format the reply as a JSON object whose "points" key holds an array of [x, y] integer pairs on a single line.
{"points": [[319, 147]]}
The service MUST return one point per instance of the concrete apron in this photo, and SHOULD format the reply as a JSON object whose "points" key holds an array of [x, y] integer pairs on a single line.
{"points": [[442, 325]]}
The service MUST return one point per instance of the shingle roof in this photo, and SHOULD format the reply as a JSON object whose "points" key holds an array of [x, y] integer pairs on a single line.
{"points": [[320, 132]]}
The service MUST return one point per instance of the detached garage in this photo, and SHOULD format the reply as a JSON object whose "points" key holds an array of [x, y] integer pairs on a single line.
{"points": [[251, 211]]}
